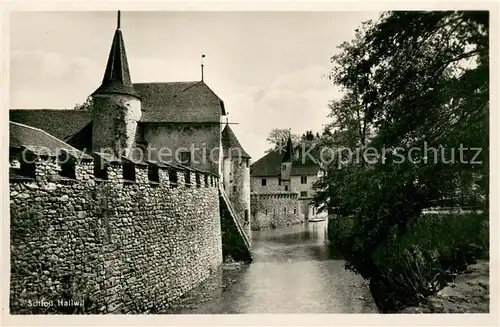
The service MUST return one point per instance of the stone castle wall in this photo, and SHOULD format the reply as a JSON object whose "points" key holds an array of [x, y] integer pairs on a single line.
{"points": [[170, 139], [116, 247], [274, 210]]}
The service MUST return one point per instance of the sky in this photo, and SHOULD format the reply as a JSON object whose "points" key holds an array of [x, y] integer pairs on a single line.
{"points": [[269, 68]]}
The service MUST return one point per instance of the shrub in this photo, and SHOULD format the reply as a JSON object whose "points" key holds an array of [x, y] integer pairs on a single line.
{"points": [[420, 262]]}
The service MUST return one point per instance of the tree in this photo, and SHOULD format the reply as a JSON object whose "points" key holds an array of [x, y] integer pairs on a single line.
{"points": [[278, 137], [326, 131], [411, 80], [86, 106], [308, 136]]}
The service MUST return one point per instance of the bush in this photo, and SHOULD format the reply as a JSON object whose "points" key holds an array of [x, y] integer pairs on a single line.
{"points": [[420, 262]]}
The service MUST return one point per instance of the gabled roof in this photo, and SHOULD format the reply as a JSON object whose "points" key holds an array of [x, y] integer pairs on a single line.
{"points": [[230, 144], [268, 165], [39, 141], [117, 75], [305, 162], [179, 102], [61, 123]]}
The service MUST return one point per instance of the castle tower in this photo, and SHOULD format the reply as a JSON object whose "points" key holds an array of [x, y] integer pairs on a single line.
{"points": [[117, 107], [236, 176], [286, 165]]}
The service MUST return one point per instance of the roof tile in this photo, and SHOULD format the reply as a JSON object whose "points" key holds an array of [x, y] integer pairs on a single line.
{"points": [[305, 162], [179, 102], [61, 123], [231, 143], [39, 141]]}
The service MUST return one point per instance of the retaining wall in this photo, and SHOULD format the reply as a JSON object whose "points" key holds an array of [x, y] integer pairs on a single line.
{"points": [[274, 210]]}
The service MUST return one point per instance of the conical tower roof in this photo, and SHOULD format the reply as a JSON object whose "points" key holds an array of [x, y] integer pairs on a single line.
{"points": [[230, 144], [117, 75], [287, 157]]}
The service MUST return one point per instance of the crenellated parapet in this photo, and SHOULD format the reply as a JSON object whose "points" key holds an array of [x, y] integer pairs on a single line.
{"points": [[113, 230], [275, 209], [42, 168], [275, 195]]}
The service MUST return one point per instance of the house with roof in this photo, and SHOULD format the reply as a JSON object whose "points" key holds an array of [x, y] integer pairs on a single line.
{"points": [[175, 123], [288, 172], [178, 116]]}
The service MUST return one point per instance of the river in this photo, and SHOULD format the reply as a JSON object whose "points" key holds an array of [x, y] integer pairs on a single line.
{"points": [[293, 271]]}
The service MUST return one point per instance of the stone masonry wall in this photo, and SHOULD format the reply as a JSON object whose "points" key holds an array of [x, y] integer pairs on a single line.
{"points": [[107, 246], [175, 138], [274, 210], [239, 193]]}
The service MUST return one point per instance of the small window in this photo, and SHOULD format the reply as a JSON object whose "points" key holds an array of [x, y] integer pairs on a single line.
{"points": [[234, 188], [153, 174], [286, 187], [294, 211], [246, 215], [172, 177], [264, 182], [187, 178], [303, 179], [128, 171], [279, 180], [283, 167], [185, 158], [206, 180], [246, 163], [284, 210], [266, 212], [303, 193], [211, 181]]}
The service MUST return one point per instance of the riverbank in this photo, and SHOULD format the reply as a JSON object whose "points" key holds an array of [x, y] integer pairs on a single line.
{"points": [[469, 293], [413, 265]]}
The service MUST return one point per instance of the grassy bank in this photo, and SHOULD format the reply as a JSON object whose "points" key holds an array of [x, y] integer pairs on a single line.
{"points": [[421, 261]]}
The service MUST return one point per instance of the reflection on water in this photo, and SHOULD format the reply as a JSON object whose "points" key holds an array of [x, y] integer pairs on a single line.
{"points": [[293, 272]]}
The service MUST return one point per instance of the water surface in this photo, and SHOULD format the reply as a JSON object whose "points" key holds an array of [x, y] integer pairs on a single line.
{"points": [[294, 271]]}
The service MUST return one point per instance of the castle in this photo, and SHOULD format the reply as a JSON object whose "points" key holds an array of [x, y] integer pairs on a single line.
{"points": [[132, 203], [282, 186]]}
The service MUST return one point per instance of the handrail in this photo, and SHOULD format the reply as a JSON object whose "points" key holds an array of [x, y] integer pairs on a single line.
{"points": [[235, 215]]}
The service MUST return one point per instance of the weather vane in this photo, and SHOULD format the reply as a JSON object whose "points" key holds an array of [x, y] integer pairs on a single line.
{"points": [[202, 56]]}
